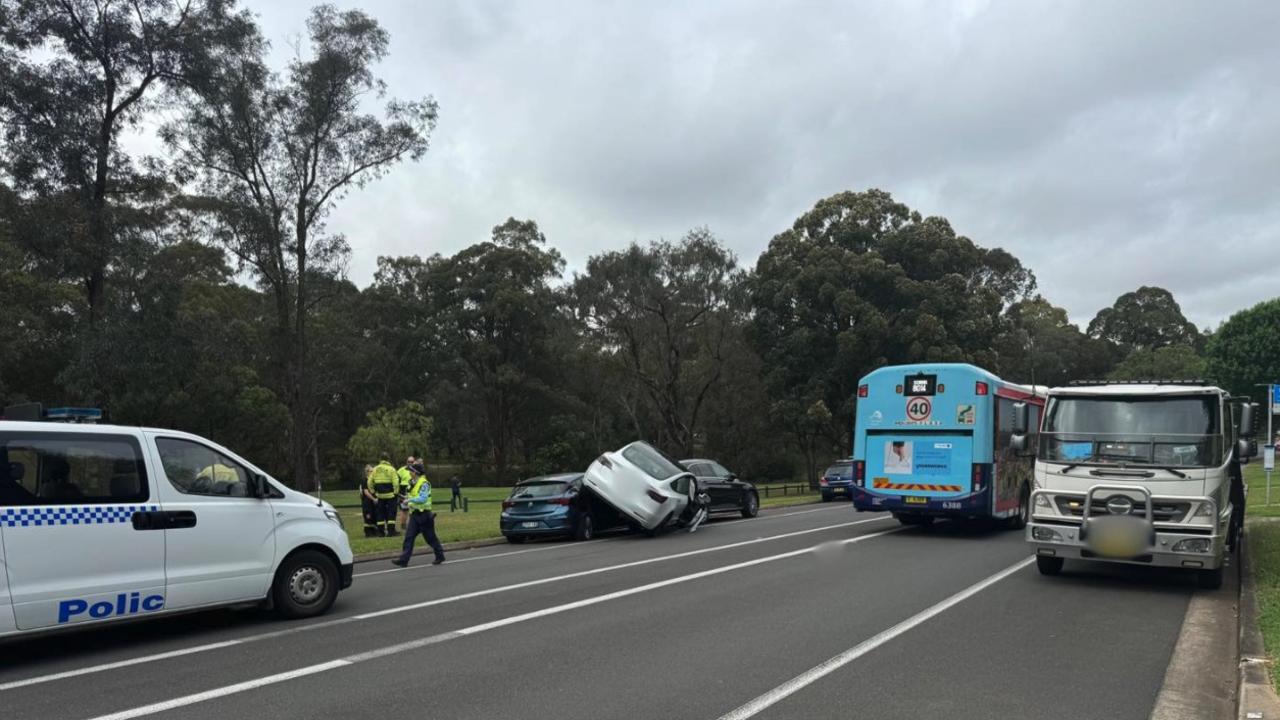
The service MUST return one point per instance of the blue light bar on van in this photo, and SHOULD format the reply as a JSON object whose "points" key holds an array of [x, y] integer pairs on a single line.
{"points": [[74, 414]]}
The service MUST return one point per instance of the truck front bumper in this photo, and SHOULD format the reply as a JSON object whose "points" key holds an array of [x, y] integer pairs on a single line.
{"points": [[1194, 546]]}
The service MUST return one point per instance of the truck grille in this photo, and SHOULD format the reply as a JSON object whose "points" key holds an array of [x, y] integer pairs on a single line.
{"points": [[1171, 512]]}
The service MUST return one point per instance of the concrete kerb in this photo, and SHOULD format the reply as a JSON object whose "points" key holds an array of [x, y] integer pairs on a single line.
{"points": [[1257, 698], [423, 550], [1200, 681]]}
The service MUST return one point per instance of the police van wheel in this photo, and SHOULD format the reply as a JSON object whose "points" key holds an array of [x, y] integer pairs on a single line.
{"points": [[306, 585], [1049, 565]]}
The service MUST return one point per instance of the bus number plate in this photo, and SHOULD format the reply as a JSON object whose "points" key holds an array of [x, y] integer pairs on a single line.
{"points": [[912, 500]]}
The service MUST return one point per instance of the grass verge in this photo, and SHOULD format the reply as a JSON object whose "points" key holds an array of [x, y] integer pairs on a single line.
{"points": [[1264, 550]]}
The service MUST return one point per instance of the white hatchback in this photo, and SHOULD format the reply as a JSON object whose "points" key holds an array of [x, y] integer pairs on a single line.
{"points": [[647, 487]]}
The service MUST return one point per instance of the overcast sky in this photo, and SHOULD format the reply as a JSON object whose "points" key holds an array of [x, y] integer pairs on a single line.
{"points": [[1106, 144]]}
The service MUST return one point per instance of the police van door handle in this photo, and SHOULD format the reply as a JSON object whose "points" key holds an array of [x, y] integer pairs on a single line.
{"points": [[178, 519], [163, 520]]}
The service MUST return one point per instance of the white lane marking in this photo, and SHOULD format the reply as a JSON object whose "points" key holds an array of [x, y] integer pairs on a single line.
{"points": [[228, 690], [609, 568], [570, 546], [92, 669], [472, 630], [826, 668]]}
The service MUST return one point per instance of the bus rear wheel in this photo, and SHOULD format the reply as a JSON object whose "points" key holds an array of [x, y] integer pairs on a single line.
{"points": [[1023, 516]]}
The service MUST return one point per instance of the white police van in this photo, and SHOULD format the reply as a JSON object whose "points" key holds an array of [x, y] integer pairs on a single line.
{"points": [[101, 523]]}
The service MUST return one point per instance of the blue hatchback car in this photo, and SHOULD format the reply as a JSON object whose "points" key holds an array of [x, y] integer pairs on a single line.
{"points": [[552, 505], [837, 480]]}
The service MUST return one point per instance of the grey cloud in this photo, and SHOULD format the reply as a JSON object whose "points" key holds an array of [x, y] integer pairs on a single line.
{"points": [[1108, 145]]}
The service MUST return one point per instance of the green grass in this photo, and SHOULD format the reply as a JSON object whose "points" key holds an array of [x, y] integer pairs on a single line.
{"points": [[1264, 549], [482, 520], [1256, 479]]}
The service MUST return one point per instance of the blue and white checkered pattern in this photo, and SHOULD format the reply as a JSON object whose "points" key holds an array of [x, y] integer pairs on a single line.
{"points": [[71, 515]]}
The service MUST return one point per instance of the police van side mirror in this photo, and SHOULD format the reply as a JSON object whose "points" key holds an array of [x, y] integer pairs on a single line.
{"points": [[258, 487], [1248, 415]]}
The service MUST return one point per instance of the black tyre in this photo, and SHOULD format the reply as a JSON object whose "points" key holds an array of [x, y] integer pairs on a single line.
{"points": [[306, 584], [1019, 521], [1049, 565], [751, 506], [1210, 579], [586, 527], [515, 539]]}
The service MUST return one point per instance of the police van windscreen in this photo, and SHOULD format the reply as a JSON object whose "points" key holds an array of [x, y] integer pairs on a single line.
{"points": [[1163, 431]]}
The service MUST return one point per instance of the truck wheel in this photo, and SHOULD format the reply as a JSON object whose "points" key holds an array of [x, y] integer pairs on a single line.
{"points": [[306, 584], [1210, 579], [1049, 565], [751, 507], [586, 529], [515, 539]]}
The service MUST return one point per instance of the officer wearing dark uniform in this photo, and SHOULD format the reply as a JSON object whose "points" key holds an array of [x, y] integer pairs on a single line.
{"points": [[421, 521], [382, 484]]}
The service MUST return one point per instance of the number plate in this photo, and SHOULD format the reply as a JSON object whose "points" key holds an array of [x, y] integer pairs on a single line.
{"points": [[913, 500], [528, 524], [1117, 537]]}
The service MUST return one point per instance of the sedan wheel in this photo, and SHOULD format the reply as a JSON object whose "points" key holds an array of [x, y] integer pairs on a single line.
{"points": [[751, 507], [586, 529]]}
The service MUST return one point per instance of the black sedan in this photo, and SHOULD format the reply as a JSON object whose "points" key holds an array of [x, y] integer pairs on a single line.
{"points": [[727, 491]]}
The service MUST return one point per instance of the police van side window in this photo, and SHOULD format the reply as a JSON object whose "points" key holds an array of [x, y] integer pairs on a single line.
{"points": [[70, 469], [195, 469]]}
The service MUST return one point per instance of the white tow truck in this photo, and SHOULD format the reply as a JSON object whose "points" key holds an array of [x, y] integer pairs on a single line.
{"points": [[1138, 472]]}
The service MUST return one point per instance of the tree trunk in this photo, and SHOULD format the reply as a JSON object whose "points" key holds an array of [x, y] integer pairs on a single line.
{"points": [[303, 438]]}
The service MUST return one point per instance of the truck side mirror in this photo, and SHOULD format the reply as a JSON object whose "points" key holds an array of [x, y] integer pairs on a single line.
{"points": [[1248, 415], [1021, 418], [1018, 443], [1244, 451]]}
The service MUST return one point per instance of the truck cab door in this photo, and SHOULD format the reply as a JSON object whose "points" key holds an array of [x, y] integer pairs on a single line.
{"points": [[224, 549], [79, 546]]}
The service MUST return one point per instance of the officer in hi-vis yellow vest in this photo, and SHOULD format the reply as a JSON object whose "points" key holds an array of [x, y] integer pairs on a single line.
{"points": [[382, 484], [421, 519]]}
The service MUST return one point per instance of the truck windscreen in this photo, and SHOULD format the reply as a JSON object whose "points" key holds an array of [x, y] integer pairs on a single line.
{"points": [[1163, 431]]}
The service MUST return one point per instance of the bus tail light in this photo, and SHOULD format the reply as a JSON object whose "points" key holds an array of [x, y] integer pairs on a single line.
{"points": [[979, 476], [863, 390], [980, 388], [859, 472]]}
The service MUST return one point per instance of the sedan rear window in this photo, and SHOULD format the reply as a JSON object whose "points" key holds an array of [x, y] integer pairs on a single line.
{"points": [[840, 468], [652, 462], [537, 490]]}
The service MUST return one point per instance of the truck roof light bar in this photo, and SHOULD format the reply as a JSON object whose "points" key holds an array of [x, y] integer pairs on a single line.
{"points": [[1143, 381]]}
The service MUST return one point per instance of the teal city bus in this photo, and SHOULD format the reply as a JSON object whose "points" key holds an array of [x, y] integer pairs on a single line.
{"points": [[932, 440]]}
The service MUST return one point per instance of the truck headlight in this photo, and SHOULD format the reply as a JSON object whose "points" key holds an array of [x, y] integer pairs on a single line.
{"points": [[1193, 545], [1044, 533], [334, 516], [1204, 510], [1042, 501]]}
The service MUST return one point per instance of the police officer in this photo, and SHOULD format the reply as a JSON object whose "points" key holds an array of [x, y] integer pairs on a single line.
{"points": [[421, 520], [405, 474], [382, 484], [368, 505]]}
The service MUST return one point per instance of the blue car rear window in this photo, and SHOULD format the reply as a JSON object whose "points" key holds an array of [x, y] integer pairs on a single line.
{"points": [[537, 490]]}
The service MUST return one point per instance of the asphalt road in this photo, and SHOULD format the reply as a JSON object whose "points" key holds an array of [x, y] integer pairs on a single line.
{"points": [[811, 612]]}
